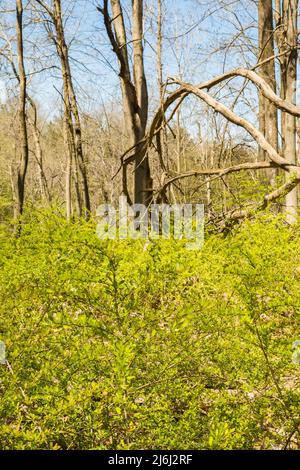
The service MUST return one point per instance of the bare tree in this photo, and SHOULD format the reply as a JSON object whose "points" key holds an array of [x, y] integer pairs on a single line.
{"points": [[134, 88], [286, 14], [24, 148], [276, 160], [267, 111], [73, 129], [211, 156], [33, 120]]}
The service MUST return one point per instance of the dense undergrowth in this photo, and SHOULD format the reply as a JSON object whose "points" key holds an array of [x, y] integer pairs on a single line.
{"points": [[144, 344]]}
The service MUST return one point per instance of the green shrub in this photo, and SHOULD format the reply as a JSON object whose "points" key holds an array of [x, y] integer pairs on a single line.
{"points": [[146, 345]]}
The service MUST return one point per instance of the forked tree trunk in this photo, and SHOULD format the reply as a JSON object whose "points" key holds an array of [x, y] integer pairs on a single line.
{"points": [[134, 88]]}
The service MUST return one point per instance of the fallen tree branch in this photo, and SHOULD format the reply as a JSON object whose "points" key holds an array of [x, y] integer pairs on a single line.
{"points": [[238, 214], [218, 172]]}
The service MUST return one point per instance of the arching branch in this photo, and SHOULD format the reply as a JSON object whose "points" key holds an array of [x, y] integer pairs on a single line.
{"points": [[241, 122]]}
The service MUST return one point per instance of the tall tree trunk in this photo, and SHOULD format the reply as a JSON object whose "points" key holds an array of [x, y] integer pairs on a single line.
{"points": [[143, 183], [24, 150], [69, 148], [268, 121], [290, 11], [287, 35], [159, 65], [72, 129], [71, 103], [44, 188], [120, 48]]}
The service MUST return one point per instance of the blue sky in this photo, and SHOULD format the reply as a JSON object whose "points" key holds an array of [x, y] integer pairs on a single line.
{"points": [[90, 66], [191, 40]]}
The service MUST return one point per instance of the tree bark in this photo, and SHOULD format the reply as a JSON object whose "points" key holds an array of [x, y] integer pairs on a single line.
{"points": [[70, 157], [24, 149], [44, 188], [286, 12], [71, 104], [72, 127], [268, 121], [289, 79], [134, 91]]}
